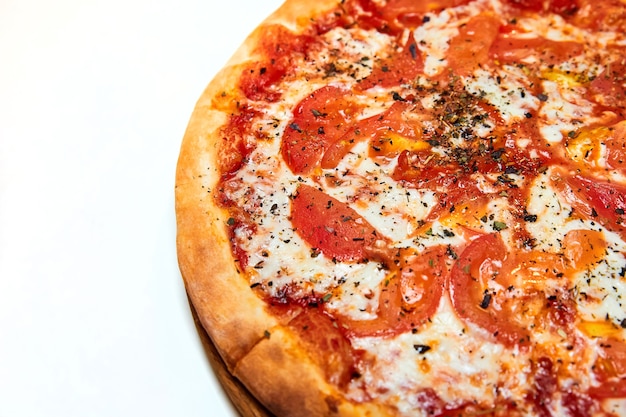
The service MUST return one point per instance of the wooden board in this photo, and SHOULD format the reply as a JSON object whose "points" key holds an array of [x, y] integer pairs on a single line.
{"points": [[240, 397]]}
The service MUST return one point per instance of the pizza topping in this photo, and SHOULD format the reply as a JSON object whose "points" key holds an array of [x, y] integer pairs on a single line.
{"points": [[421, 349], [610, 370], [395, 15], [236, 145], [409, 295], [609, 87], [595, 200], [401, 67], [599, 148], [563, 7], [320, 120], [470, 48], [479, 265], [333, 227]]}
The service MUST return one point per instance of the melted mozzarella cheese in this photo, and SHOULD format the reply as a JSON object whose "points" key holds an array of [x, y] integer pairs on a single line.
{"points": [[383, 202], [562, 111], [615, 407], [433, 40], [552, 215], [555, 28], [601, 291], [506, 90], [358, 50], [445, 357], [434, 35], [277, 254]]}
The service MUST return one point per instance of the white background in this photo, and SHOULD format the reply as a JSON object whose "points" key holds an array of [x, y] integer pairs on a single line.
{"points": [[95, 96]]}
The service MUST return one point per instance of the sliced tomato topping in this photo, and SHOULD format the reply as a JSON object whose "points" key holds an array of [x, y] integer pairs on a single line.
{"points": [[402, 10], [511, 49], [425, 168], [332, 227], [595, 199], [598, 148], [530, 5], [583, 249], [610, 370], [329, 346], [616, 144], [481, 262], [395, 15], [410, 294], [562, 7], [611, 16], [400, 68], [609, 87], [470, 48], [382, 129], [319, 120], [234, 148]]}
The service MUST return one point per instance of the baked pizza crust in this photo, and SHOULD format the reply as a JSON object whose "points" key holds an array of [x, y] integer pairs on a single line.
{"points": [[278, 370]]}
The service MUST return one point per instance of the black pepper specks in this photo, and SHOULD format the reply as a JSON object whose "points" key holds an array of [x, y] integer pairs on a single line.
{"points": [[295, 127], [486, 300], [421, 349]]}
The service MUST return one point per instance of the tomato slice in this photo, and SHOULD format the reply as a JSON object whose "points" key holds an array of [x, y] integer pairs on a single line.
{"points": [[616, 144], [234, 148], [410, 294], [611, 16], [400, 68], [510, 49], [583, 248], [480, 262], [382, 130], [608, 87], [530, 5], [563, 7], [470, 48], [390, 122], [425, 168], [597, 200], [319, 120], [395, 16], [610, 370], [332, 227], [400, 9]]}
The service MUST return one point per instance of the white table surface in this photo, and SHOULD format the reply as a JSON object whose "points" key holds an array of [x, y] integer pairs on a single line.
{"points": [[95, 96]]}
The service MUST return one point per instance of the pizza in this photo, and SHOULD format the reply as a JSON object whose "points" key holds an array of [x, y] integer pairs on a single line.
{"points": [[415, 208]]}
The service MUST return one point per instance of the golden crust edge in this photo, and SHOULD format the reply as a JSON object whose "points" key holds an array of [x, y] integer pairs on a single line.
{"points": [[201, 233], [297, 387]]}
